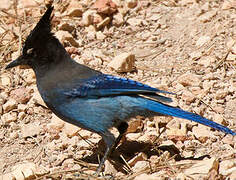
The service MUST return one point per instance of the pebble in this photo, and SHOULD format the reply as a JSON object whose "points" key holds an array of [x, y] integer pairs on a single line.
{"points": [[64, 36], [9, 105], [134, 21], [202, 167], [9, 117], [21, 95], [123, 62], [5, 80], [56, 123], [140, 165], [30, 130], [202, 40], [131, 3], [118, 20], [189, 79], [87, 18]]}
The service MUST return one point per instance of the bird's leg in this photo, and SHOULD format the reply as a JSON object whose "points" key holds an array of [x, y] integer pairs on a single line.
{"points": [[122, 128], [109, 139], [108, 150]]}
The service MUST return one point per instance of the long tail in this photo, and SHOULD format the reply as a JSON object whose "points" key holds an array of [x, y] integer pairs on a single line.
{"points": [[176, 112]]}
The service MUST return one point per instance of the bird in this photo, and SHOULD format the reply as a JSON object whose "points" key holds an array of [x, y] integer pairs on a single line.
{"points": [[89, 98]]}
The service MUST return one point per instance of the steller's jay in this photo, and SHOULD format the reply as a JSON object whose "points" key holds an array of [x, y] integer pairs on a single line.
{"points": [[88, 98]]}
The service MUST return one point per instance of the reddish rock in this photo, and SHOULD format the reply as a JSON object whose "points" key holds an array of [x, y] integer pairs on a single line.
{"points": [[21, 95], [105, 6]]}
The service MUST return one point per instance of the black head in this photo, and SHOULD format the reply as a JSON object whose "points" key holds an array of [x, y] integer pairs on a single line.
{"points": [[40, 46]]}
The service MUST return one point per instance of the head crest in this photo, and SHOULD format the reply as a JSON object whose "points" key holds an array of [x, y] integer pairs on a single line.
{"points": [[43, 28], [45, 21]]}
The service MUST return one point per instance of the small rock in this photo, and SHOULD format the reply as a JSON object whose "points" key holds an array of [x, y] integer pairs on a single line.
{"points": [[3, 98], [134, 21], [133, 136], [203, 167], [188, 97], [221, 94], [109, 168], [5, 80], [5, 5], [21, 95], [140, 165], [9, 105], [232, 173], [21, 115], [186, 2], [29, 76], [22, 107], [105, 6], [202, 40], [135, 125], [66, 27], [189, 79], [228, 140], [91, 35], [228, 4], [225, 166], [206, 61], [195, 55], [75, 12], [202, 132], [27, 170], [30, 130], [96, 62], [70, 130], [197, 91], [56, 123], [131, 3], [123, 62], [230, 108], [230, 43], [218, 118], [118, 20], [64, 36], [14, 135], [100, 35], [9, 117], [176, 129], [87, 18]]}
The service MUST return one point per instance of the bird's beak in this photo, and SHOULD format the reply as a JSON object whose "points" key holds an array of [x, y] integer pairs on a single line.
{"points": [[17, 62]]}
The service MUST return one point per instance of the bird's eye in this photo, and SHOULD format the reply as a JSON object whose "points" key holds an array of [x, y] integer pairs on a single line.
{"points": [[29, 51]]}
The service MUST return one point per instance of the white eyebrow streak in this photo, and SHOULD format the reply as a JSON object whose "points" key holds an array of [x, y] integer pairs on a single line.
{"points": [[29, 51]]}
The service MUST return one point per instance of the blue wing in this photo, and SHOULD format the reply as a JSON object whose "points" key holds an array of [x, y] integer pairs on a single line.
{"points": [[107, 85]]}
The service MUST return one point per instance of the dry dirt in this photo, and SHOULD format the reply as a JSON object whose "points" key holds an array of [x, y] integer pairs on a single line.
{"points": [[187, 47]]}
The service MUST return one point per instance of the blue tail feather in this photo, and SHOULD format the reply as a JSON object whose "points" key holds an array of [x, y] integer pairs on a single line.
{"points": [[176, 112]]}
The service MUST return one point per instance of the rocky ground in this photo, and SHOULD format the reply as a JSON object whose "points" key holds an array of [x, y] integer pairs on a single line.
{"points": [[187, 47]]}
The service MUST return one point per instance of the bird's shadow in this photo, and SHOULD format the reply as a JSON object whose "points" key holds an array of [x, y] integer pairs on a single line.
{"points": [[129, 149]]}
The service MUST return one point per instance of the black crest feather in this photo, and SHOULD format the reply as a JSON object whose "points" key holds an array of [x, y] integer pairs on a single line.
{"points": [[45, 21], [42, 30]]}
